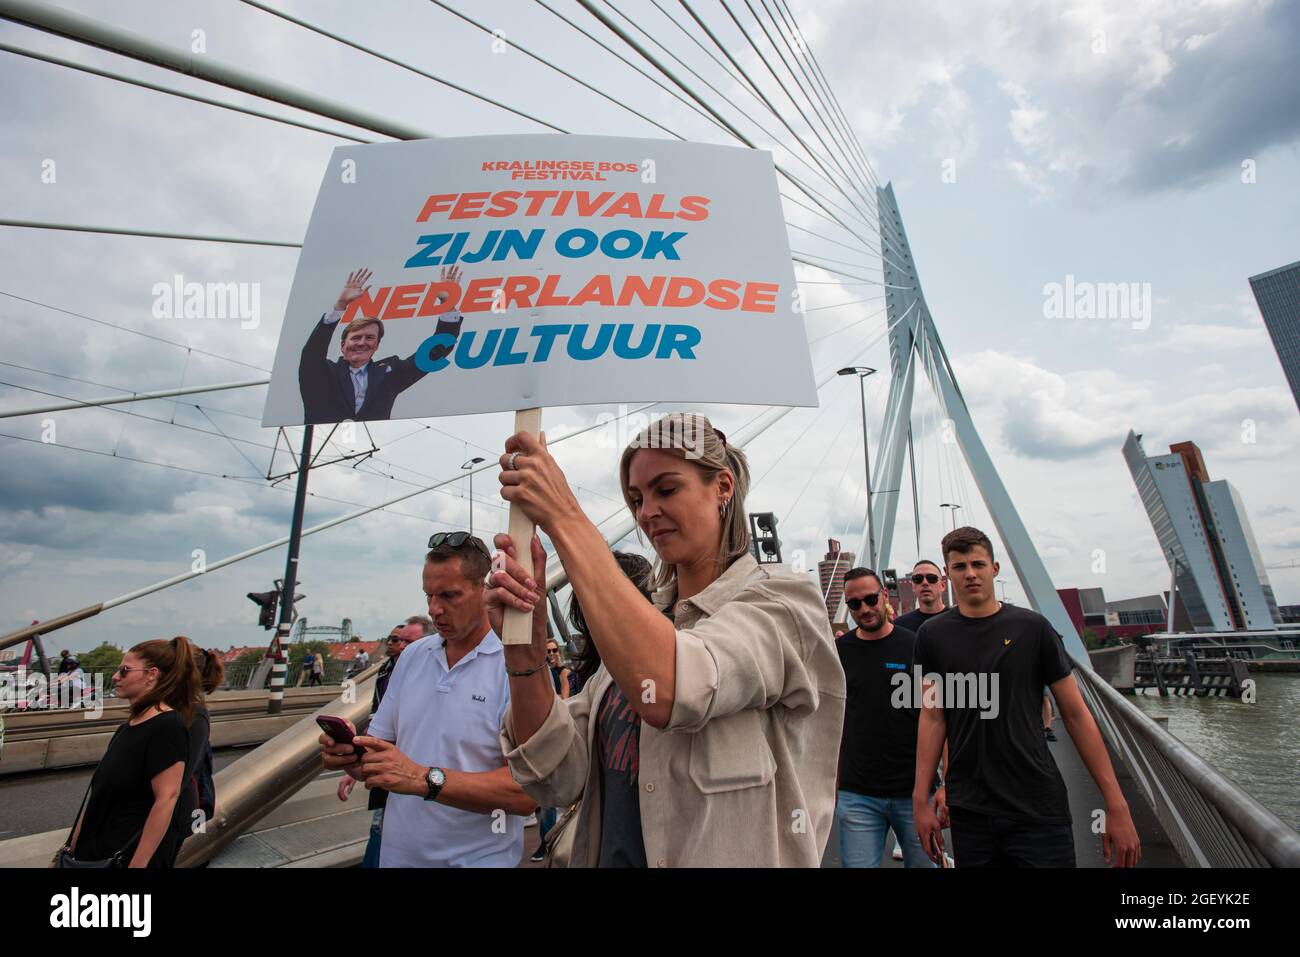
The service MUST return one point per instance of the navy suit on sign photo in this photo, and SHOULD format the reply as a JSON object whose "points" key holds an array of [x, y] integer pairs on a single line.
{"points": [[327, 388]]}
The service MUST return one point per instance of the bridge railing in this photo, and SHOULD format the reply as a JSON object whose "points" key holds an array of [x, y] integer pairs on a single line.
{"points": [[1210, 821]]}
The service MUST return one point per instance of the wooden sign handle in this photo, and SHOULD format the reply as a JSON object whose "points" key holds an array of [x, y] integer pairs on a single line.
{"points": [[518, 626]]}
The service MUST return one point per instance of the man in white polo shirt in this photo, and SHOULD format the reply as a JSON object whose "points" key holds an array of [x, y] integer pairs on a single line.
{"points": [[433, 744]]}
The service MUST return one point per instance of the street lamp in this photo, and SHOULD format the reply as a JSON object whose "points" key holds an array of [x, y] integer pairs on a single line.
{"points": [[1003, 583], [862, 372], [469, 465], [944, 558]]}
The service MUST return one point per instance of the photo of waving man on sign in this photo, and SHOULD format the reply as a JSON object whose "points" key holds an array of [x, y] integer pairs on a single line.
{"points": [[356, 385]]}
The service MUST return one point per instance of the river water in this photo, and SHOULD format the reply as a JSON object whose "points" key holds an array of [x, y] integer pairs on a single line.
{"points": [[1256, 746]]}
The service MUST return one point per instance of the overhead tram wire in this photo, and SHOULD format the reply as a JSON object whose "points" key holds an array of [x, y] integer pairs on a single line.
{"points": [[256, 482], [112, 325], [89, 611], [234, 441]]}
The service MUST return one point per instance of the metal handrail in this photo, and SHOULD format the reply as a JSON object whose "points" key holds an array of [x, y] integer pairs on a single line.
{"points": [[1211, 821], [262, 780]]}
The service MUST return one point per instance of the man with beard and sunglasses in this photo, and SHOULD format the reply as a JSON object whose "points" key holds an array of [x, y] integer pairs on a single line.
{"points": [[929, 585], [878, 747]]}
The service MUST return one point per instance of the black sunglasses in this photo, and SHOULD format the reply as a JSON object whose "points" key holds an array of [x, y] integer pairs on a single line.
{"points": [[458, 539], [856, 603], [930, 577]]}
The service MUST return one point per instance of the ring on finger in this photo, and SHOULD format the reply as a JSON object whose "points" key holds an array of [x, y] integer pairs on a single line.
{"points": [[510, 462]]}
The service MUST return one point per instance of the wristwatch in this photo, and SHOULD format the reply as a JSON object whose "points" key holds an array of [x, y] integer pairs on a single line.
{"points": [[435, 779]]}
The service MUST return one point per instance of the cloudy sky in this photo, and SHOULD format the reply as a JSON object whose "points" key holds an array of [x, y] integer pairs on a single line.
{"points": [[1028, 143]]}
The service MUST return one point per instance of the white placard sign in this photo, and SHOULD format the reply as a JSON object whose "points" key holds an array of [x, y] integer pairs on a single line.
{"points": [[511, 272]]}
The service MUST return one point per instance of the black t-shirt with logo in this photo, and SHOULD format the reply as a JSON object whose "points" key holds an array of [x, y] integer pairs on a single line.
{"points": [[878, 748], [619, 751], [121, 790], [915, 618], [998, 765]]}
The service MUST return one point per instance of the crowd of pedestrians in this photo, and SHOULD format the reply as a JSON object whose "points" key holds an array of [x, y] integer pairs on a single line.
{"points": [[704, 714]]}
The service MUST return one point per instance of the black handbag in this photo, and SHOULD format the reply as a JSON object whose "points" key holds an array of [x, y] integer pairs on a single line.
{"points": [[65, 859]]}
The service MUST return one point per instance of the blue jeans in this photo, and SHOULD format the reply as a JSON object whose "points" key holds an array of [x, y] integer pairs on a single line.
{"points": [[863, 821], [371, 858], [546, 818]]}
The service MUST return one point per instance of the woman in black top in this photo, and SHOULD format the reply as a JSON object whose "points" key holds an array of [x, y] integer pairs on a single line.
{"points": [[134, 789], [197, 790]]}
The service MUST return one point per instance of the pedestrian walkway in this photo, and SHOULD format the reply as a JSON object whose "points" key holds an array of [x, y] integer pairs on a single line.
{"points": [[1157, 851]]}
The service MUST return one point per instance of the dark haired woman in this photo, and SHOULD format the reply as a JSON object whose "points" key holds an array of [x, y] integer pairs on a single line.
{"points": [[133, 792], [710, 733], [197, 790]]}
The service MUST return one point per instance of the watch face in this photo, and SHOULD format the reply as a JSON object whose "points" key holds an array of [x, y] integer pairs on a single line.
{"points": [[437, 778]]}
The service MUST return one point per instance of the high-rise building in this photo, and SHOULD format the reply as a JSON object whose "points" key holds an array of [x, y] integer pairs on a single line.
{"points": [[1206, 538], [831, 573], [1278, 294]]}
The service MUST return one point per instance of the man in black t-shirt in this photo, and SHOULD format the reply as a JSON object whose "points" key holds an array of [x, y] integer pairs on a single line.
{"points": [[878, 746], [928, 584], [982, 668]]}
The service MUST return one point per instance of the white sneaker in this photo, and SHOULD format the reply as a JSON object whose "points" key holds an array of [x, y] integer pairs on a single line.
{"points": [[530, 820]]}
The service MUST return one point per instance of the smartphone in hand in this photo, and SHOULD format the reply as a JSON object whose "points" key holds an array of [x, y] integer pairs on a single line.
{"points": [[339, 730]]}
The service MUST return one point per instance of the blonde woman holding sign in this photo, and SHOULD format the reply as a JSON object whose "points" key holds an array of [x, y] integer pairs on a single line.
{"points": [[709, 735]]}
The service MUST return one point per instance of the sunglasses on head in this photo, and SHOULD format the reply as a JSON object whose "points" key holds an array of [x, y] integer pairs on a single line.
{"points": [[870, 600], [458, 539], [930, 577]]}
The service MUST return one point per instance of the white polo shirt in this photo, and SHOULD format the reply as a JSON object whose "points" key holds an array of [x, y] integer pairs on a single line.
{"points": [[447, 718]]}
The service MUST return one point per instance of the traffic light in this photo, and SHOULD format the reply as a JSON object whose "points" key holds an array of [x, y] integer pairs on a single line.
{"points": [[767, 547], [267, 600]]}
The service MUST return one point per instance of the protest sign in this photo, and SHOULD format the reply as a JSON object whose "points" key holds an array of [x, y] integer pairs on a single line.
{"points": [[511, 272]]}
